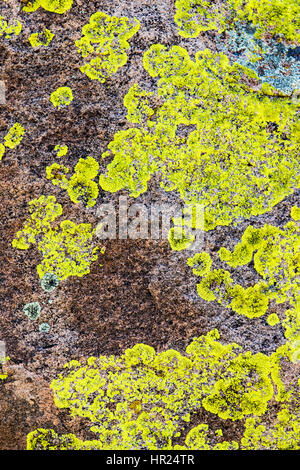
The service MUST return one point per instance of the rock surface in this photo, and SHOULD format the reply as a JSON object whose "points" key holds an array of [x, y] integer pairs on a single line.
{"points": [[144, 291]]}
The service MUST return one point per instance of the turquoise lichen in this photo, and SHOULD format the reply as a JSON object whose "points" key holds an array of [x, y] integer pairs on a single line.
{"points": [[273, 61]]}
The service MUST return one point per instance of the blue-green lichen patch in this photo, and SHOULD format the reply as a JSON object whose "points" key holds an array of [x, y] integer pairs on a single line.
{"points": [[243, 156], [274, 62]]}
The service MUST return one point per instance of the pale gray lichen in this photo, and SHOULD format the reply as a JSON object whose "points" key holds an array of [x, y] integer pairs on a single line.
{"points": [[49, 282], [32, 310], [44, 328]]}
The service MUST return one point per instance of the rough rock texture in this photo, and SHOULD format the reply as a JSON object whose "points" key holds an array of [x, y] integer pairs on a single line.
{"points": [[143, 292]]}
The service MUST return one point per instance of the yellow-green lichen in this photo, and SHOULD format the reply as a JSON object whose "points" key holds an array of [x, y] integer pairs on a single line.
{"points": [[58, 174], [208, 136], [279, 433], [180, 239], [67, 249], [142, 399], [201, 263], [276, 256], [43, 210], [105, 40], [270, 17], [63, 96], [41, 39], [8, 29], [14, 136], [3, 360], [199, 438], [55, 6], [295, 213], [2, 151], [291, 324], [48, 439], [80, 186], [61, 150], [273, 319]]}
